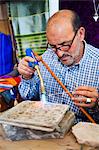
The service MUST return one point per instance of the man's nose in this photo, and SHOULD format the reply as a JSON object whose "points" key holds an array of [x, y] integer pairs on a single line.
{"points": [[60, 53], [60, 48]]}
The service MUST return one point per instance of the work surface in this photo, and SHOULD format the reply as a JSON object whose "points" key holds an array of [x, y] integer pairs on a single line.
{"points": [[68, 143]]}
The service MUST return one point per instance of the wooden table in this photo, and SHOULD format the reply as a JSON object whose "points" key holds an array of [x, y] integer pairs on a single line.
{"points": [[68, 143]]}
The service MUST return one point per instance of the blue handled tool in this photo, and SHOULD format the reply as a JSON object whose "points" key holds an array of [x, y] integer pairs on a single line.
{"points": [[35, 65], [30, 53]]}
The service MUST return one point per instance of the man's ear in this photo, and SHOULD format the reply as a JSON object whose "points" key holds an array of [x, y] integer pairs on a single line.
{"points": [[81, 33]]}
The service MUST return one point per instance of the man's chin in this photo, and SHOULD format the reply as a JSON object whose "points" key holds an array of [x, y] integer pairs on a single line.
{"points": [[67, 63]]}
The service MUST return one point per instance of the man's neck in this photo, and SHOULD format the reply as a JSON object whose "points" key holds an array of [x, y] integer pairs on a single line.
{"points": [[82, 47]]}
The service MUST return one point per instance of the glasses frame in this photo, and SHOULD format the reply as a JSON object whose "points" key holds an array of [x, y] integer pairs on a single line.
{"points": [[59, 48]]}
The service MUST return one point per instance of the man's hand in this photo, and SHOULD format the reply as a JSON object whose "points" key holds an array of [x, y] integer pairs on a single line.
{"points": [[85, 96], [24, 68]]}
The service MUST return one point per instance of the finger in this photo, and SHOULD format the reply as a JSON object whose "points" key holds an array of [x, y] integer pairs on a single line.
{"points": [[83, 99], [25, 70], [28, 59], [84, 104], [86, 93], [24, 63], [25, 73], [88, 88]]}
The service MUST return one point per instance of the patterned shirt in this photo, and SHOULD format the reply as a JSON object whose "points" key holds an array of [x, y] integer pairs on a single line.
{"points": [[85, 73]]}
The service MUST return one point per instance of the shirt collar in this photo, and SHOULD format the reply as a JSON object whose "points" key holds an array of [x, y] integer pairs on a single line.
{"points": [[85, 52]]}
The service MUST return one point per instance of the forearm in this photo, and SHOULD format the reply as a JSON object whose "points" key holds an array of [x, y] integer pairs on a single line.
{"points": [[28, 89]]}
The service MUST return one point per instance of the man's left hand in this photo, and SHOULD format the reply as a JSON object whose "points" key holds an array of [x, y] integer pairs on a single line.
{"points": [[85, 96]]}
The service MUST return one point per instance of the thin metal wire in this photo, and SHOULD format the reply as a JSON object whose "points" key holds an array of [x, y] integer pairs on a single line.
{"points": [[95, 8]]}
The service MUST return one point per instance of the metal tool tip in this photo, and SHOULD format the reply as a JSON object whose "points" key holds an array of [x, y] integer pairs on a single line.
{"points": [[43, 98]]}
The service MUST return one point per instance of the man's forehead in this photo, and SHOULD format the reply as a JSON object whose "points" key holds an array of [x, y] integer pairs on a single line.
{"points": [[60, 31], [59, 28]]}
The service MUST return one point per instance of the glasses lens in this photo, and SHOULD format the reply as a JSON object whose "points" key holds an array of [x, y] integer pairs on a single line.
{"points": [[65, 47], [61, 48]]}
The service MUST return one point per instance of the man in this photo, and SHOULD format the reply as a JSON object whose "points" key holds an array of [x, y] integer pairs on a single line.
{"points": [[73, 61]]}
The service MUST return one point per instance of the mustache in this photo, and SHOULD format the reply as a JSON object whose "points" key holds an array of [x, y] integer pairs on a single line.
{"points": [[64, 55]]}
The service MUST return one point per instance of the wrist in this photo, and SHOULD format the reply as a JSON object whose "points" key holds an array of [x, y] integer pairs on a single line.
{"points": [[26, 78]]}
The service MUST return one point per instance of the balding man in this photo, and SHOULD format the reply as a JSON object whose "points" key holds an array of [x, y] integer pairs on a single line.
{"points": [[74, 62]]}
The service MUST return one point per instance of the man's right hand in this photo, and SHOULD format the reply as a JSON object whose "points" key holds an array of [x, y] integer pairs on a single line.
{"points": [[24, 68]]}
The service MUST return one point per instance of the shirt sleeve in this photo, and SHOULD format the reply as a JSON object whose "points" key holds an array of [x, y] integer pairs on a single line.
{"points": [[29, 89]]}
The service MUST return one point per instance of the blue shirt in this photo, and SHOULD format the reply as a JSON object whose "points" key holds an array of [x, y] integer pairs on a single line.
{"points": [[85, 73]]}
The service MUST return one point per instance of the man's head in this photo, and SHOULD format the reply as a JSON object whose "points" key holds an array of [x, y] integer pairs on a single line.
{"points": [[65, 35]]}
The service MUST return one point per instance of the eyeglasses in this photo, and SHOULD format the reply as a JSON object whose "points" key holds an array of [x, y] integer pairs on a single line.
{"points": [[64, 45]]}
